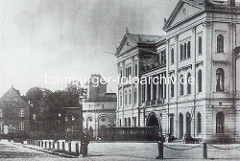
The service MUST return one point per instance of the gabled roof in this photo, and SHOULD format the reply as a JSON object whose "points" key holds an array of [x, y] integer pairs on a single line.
{"points": [[199, 5], [138, 39]]}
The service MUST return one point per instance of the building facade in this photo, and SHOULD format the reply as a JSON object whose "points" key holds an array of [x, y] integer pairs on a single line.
{"points": [[199, 44], [14, 114], [99, 108]]}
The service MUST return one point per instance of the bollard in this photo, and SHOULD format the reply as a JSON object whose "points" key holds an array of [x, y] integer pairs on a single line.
{"points": [[205, 150], [58, 145], [69, 147], [160, 150], [49, 144], [63, 146], [77, 149]]}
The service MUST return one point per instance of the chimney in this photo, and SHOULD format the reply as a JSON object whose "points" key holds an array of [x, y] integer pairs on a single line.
{"points": [[231, 2]]}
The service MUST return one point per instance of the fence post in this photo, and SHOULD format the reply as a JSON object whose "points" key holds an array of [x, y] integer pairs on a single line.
{"points": [[53, 145], [49, 144], [69, 147], [77, 149], [205, 150], [45, 144], [63, 146], [58, 145], [42, 144]]}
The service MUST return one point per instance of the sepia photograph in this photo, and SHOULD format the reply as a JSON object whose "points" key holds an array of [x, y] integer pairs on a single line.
{"points": [[119, 80]]}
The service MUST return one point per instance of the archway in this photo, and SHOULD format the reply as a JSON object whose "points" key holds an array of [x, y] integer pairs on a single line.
{"points": [[153, 121], [188, 124], [180, 126]]}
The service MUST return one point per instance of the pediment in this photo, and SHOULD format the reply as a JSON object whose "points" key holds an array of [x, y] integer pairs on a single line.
{"points": [[126, 45], [182, 12]]}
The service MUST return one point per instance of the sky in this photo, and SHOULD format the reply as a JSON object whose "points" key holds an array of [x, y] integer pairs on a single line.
{"points": [[42, 41]]}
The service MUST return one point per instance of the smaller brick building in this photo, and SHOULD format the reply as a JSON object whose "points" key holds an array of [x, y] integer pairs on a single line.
{"points": [[14, 114]]}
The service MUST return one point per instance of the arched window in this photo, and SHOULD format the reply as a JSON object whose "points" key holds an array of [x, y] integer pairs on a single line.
{"points": [[181, 52], [143, 92], [199, 123], [220, 80], [200, 80], [200, 45], [181, 86], [220, 122], [172, 55], [185, 51], [189, 49], [129, 122], [188, 124], [135, 95], [220, 44], [125, 121], [188, 84], [120, 122]]}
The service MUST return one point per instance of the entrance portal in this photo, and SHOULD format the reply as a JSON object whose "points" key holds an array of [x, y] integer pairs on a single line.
{"points": [[153, 121]]}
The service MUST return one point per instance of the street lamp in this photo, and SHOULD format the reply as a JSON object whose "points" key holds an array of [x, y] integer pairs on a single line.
{"points": [[81, 100]]}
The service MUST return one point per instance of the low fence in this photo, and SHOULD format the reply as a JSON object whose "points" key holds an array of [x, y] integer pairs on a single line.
{"points": [[204, 146]]}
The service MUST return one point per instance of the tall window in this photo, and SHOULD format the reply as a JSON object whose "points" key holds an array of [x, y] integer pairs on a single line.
{"points": [[1, 112], [199, 123], [181, 52], [126, 97], [220, 80], [135, 96], [21, 112], [143, 93], [120, 122], [121, 73], [220, 122], [136, 70], [181, 87], [21, 126], [130, 97], [171, 123], [220, 44], [200, 45], [129, 122], [1, 127], [134, 122], [185, 51], [188, 84], [120, 100], [125, 121], [189, 49], [200, 80], [172, 87], [172, 55]]}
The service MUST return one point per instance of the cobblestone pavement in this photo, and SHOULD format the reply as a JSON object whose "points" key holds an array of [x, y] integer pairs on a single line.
{"points": [[9, 151]]}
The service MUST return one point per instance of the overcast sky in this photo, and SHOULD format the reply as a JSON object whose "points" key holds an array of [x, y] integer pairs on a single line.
{"points": [[64, 38]]}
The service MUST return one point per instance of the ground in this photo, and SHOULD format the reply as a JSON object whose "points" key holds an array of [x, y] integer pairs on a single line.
{"points": [[130, 151]]}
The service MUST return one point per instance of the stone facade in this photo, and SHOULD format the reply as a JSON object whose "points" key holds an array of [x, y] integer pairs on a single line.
{"points": [[200, 40]]}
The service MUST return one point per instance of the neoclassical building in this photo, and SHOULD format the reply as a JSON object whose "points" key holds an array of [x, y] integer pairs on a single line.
{"points": [[201, 42]]}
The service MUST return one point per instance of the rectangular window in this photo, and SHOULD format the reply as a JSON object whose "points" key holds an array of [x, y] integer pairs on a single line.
{"points": [[21, 112], [1, 112], [134, 122], [136, 74], [6, 99], [15, 99], [21, 126], [126, 96]]}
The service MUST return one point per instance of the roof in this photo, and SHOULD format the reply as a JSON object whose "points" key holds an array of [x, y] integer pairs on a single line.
{"points": [[144, 39]]}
